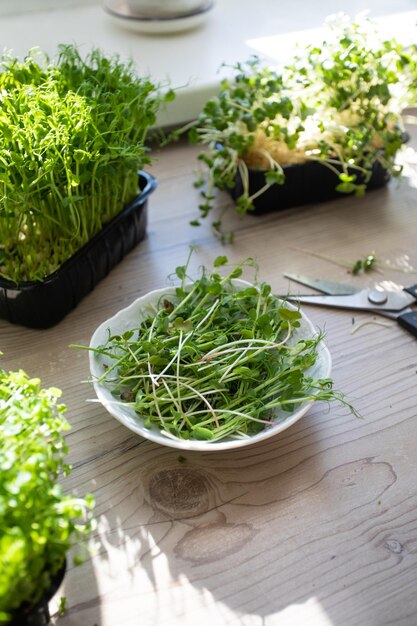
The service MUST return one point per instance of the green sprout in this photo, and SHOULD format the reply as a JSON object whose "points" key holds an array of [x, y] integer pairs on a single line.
{"points": [[338, 104], [216, 360], [365, 265], [72, 139]]}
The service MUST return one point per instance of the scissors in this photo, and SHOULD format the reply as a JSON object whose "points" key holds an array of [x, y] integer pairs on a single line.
{"points": [[393, 304]]}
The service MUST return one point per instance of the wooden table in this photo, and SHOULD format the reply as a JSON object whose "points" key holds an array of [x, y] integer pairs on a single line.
{"points": [[316, 526]]}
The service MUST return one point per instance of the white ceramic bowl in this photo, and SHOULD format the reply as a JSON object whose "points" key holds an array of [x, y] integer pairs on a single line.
{"points": [[131, 317]]}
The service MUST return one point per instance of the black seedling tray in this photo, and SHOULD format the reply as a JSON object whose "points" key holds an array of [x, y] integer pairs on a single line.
{"points": [[305, 183], [38, 614], [43, 304]]}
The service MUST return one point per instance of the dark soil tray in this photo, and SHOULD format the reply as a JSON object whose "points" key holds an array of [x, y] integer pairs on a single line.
{"points": [[43, 304], [305, 183]]}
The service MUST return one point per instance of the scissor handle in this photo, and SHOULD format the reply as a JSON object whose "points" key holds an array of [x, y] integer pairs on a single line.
{"points": [[409, 321], [411, 290]]}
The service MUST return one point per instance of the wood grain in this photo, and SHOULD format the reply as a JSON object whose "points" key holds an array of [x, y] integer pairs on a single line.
{"points": [[316, 526]]}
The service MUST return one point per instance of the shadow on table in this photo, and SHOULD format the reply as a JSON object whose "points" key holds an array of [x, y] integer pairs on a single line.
{"points": [[261, 529], [78, 578]]}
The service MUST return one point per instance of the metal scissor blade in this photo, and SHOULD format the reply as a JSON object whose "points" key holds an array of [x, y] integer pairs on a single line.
{"points": [[363, 300], [325, 286]]}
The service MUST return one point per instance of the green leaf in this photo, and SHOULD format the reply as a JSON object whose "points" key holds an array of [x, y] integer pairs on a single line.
{"points": [[184, 325], [250, 292], [193, 135], [347, 178], [265, 290], [275, 177], [169, 96], [63, 605], [247, 333], [158, 360], [138, 400], [219, 261], [369, 262], [199, 432], [346, 187], [236, 272], [81, 156], [181, 271], [214, 289], [263, 320], [289, 314], [243, 372]]}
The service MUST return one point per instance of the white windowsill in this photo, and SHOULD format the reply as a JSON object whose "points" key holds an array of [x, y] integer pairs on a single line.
{"points": [[189, 61]]}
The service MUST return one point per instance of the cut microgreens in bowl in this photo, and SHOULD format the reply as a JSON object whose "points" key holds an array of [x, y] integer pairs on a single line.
{"points": [[216, 361]]}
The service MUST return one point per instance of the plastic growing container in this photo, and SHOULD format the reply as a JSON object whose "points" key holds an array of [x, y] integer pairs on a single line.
{"points": [[38, 614], [305, 183], [43, 304]]}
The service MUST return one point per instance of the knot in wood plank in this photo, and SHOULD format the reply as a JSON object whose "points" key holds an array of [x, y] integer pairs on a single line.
{"points": [[179, 493]]}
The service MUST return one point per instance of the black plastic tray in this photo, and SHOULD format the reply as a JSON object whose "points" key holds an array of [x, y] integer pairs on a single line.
{"points": [[305, 183], [38, 615], [43, 304]]}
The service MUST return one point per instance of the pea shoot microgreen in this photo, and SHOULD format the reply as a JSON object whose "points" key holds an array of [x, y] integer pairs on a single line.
{"points": [[217, 359], [338, 103], [72, 138]]}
